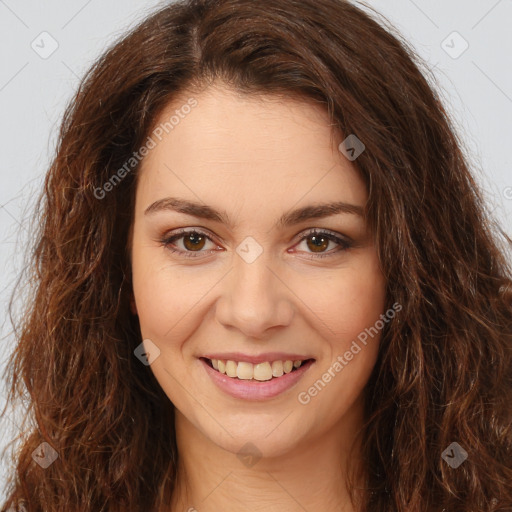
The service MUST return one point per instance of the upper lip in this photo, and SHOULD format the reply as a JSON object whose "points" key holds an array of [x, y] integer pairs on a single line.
{"points": [[260, 358]]}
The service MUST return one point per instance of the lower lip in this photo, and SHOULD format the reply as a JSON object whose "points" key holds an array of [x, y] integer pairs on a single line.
{"points": [[253, 389]]}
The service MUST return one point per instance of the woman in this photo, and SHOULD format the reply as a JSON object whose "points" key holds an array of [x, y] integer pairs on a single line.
{"points": [[265, 278]]}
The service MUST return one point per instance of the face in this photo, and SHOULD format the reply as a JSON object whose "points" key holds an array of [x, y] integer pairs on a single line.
{"points": [[234, 260]]}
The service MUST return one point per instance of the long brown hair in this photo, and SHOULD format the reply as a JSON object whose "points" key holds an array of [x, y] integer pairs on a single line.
{"points": [[444, 370]]}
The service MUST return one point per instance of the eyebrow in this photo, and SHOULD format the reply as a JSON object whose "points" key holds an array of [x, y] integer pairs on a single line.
{"points": [[290, 218]]}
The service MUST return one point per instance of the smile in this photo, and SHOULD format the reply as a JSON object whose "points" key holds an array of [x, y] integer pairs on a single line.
{"points": [[255, 381], [263, 371]]}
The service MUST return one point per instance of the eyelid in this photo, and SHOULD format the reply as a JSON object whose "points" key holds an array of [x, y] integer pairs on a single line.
{"points": [[168, 239], [344, 242]]}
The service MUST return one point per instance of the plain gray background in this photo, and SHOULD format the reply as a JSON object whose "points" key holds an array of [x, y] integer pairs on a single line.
{"points": [[476, 83]]}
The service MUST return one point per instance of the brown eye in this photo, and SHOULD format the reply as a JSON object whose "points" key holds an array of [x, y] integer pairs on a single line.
{"points": [[194, 241], [187, 243], [318, 243]]}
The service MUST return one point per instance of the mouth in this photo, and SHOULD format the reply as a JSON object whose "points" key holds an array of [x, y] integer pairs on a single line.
{"points": [[257, 380], [260, 372]]}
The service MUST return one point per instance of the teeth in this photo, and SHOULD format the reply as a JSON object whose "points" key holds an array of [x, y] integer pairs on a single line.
{"points": [[277, 368], [244, 371], [231, 367], [261, 371]]}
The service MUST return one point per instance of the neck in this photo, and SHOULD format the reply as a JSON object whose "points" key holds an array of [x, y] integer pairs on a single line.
{"points": [[309, 476]]}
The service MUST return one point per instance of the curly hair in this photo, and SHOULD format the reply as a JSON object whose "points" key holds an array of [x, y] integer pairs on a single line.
{"points": [[444, 368]]}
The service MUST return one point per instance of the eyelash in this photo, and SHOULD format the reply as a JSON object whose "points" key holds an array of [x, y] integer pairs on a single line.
{"points": [[343, 243]]}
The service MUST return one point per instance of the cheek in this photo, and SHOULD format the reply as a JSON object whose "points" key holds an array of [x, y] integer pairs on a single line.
{"points": [[360, 302], [346, 301], [352, 343], [161, 293], [171, 300]]}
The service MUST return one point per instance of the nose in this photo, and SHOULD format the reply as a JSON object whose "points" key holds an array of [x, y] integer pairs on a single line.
{"points": [[254, 299]]}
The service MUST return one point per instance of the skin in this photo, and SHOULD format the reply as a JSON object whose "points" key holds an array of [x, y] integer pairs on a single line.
{"points": [[256, 158]]}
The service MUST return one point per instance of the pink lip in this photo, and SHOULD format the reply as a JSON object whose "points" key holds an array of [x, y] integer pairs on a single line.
{"points": [[255, 390], [261, 358]]}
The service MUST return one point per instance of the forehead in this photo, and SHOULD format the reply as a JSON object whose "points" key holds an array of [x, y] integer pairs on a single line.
{"points": [[236, 147]]}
